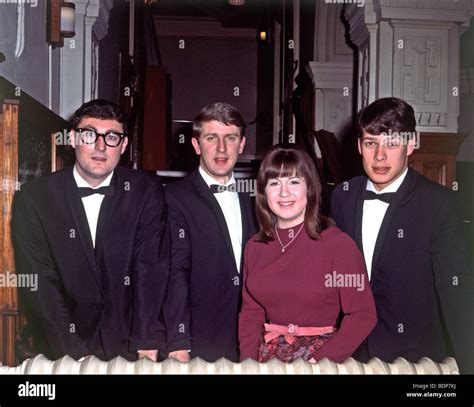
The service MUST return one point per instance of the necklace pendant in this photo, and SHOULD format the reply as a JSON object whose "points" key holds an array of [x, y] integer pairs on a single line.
{"points": [[282, 250]]}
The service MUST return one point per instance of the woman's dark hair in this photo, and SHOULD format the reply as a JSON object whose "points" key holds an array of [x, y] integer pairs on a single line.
{"points": [[286, 161], [221, 112], [99, 109], [387, 115]]}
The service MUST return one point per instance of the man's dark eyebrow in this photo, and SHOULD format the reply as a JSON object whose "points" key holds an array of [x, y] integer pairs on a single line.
{"points": [[90, 127]]}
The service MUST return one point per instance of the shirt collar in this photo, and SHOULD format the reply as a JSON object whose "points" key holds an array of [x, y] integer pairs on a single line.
{"points": [[209, 180], [81, 182], [393, 187]]}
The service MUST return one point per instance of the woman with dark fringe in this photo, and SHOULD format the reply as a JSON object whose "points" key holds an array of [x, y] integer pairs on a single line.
{"points": [[306, 292]]}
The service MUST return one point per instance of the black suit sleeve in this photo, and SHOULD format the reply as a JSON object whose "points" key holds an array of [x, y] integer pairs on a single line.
{"points": [[177, 307], [46, 308], [150, 273], [454, 282]]}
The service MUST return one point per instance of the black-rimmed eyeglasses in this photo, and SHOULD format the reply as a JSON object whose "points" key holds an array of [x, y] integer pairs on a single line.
{"points": [[89, 136]]}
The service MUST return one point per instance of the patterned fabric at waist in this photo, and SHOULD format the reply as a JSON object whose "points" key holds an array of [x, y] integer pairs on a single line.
{"points": [[273, 331]]}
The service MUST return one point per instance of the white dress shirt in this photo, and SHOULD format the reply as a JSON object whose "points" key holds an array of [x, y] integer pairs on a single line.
{"points": [[372, 218], [230, 206], [92, 202]]}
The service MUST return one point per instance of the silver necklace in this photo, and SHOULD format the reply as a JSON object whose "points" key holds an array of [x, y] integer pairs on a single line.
{"points": [[283, 247]]}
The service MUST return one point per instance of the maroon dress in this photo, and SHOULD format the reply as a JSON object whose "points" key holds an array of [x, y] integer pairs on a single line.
{"points": [[307, 285]]}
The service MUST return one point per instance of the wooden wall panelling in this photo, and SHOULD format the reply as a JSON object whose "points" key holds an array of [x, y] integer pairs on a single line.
{"points": [[9, 175], [25, 154], [436, 157]]}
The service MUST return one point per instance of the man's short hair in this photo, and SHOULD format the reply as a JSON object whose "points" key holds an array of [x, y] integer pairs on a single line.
{"points": [[221, 112], [387, 115], [99, 109]]}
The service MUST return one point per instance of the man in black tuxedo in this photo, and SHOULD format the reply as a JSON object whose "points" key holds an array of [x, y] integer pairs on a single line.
{"points": [[410, 233], [96, 237], [210, 222]]}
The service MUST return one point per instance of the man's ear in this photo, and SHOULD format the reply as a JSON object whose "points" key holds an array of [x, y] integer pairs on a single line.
{"points": [[72, 138], [124, 145], [359, 145], [242, 145], [411, 146], [196, 146]]}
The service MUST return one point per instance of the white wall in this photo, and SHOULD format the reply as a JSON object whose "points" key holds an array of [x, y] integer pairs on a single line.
{"points": [[30, 70], [466, 103], [332, 70], [58, 78]]}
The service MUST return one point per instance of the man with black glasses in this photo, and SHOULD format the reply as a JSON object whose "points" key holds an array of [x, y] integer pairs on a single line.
{"points": [[95, 236]]}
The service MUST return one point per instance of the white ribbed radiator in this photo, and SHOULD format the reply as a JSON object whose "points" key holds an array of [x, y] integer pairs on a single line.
{"points": [[93, 365]]}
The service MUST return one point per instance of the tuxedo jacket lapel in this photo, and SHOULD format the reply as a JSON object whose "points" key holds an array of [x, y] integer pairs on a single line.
{"points": [[105, 215], [358, 213], [80, 219], [247, 224], [244, 211], [205, 191]]}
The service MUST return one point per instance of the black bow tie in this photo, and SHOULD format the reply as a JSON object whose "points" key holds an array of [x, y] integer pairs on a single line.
{"points": [[216, 188], [385, 197], [86, 191]]}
